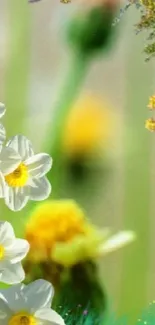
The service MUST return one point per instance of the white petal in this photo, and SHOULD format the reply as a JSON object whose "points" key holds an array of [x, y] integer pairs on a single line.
{"points": [[40, 190], [7, 235], [117, 241], [14, 297], [49, 316], [17, 251], [9, 160], [38, 294], [2, 185], [5, 311], [2, 134], [39, 165], [21, 145], [2, 109], [16, 197], [12, 274]]}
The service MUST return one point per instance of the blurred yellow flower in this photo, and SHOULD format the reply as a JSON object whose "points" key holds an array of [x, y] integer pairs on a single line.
{"points": [[149, 4], [151, 104], [88, 128], [150, 124], [59, 231]]}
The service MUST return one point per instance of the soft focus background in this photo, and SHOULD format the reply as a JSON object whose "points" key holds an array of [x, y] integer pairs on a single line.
{"points": [[118, 191]]}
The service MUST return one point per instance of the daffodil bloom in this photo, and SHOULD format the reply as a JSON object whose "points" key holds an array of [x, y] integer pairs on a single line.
{"points": [[28, 305], [2, 129], [22, 175], [59, 231], [12, 251]]}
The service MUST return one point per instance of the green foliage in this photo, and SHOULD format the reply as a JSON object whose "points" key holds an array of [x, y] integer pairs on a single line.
{"points": [[81, 316]]}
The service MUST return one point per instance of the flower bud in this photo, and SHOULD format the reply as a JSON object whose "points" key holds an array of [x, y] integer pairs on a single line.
{"points": [[91, 31]]}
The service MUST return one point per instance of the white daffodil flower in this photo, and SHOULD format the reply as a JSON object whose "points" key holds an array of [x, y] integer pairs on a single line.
{"points": [[12, 251], [22, 176], [2, 129], [28, 305]]}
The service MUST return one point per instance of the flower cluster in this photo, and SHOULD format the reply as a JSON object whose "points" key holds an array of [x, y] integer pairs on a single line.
{"points": [[150, 122], [147, 22], [21, 304], [22, 173], [22, 177]]}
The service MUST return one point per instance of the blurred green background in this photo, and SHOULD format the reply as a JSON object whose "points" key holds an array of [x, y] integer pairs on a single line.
{"points": [[118, 191]]}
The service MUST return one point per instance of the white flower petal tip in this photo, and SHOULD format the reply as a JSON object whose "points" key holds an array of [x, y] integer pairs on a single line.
{"points": [[2, 109], [39, 294], [117, 241], [39, 165], [49, 315], [12, 274], [12, 251]]}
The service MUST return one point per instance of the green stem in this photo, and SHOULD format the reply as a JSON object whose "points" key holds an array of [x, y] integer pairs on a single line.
{"points": [[136, 185], [16, 84], [70, 91], [16, 88]]}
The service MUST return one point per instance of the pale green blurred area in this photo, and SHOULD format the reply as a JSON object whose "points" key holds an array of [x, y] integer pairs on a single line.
{"points": [[39, 55]]}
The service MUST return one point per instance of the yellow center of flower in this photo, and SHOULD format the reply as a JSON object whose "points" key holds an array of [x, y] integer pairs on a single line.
{"points": [[19, 177], [22, 319], [1, 252]]}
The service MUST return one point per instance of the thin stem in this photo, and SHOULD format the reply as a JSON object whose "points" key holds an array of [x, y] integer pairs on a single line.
{"points": [[16, 88], [137, 185], [16, 84], [70, 91]]}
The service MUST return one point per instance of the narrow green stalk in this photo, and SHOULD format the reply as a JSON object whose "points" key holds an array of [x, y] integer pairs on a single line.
{"points": [[16, 83], [136, 184], [17, 66], [70, 91]]}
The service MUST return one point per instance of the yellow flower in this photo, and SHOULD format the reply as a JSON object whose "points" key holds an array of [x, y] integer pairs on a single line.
{"points": [[149, 4], [151, 104], [59, 231], [150, 124], [88, 127]]}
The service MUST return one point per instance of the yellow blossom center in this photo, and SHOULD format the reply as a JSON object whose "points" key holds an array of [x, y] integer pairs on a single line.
{"points": [[19, 177], [1, 252], [22, 319]]}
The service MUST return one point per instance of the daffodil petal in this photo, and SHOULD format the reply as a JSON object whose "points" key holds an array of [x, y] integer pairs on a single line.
{"points": [[2, 185], [2, 134], [21, 145], [38, 294], [5, 311], [2, 109], [17, 251], [7, 235], [49, 316], [9, 160], [14, 297], [117, 241], [16, 197], [12, 274], [39, 165], [40, 190]]}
